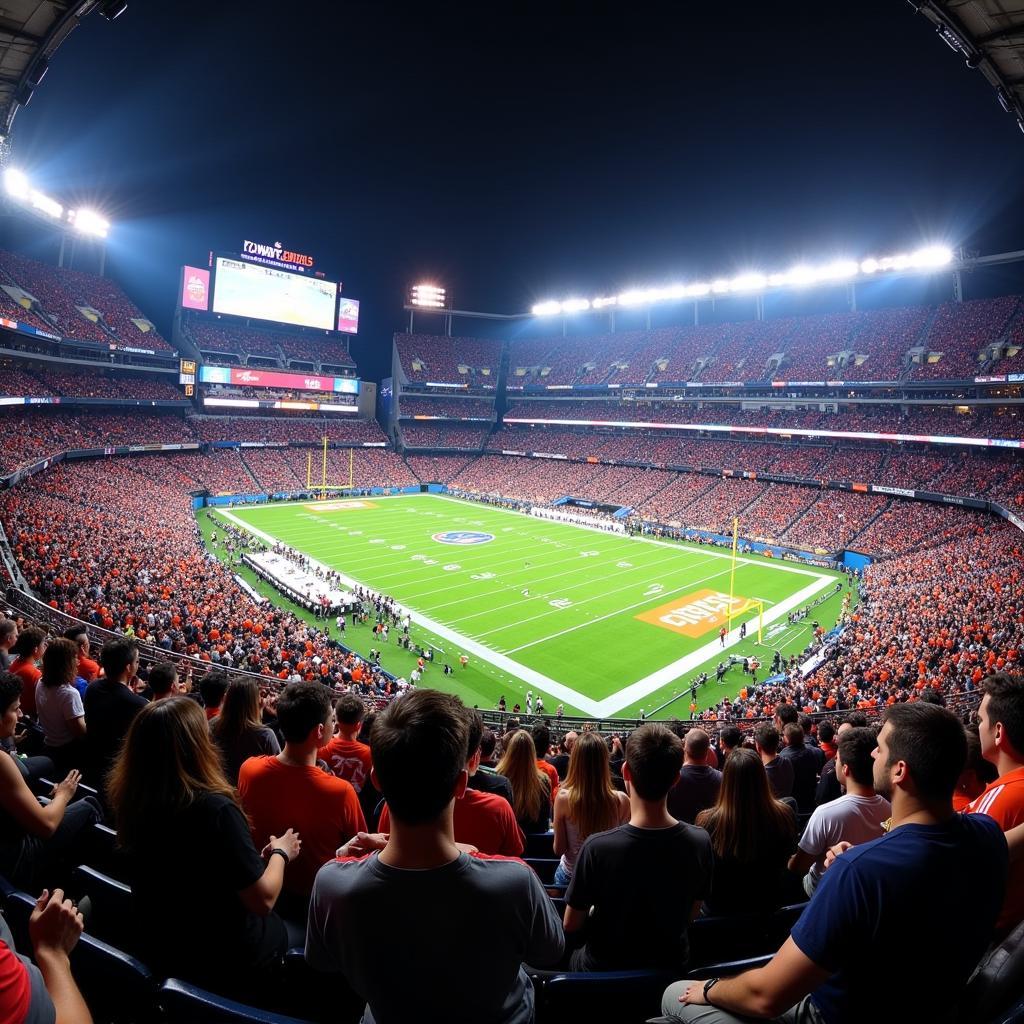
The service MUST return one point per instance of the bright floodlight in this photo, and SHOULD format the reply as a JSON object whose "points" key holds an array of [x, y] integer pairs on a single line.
{"points": [[44, 204], [429, 296], [16, 183], [547, 309], [575, 305], [932, 256], [89, 222]]}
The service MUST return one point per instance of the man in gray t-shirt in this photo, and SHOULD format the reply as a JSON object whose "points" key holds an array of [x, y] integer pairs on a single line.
{"points": [[399, 916]]}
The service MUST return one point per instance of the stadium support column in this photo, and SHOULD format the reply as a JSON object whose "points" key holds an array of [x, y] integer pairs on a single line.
{"points": [[958, 286], [732, 567]]}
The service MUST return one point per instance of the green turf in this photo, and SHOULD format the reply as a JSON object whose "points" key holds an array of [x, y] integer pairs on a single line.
{"points": [[575, 636]]}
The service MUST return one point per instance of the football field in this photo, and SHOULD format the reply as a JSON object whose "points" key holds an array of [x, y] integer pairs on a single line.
{"points": [[604, 623]]}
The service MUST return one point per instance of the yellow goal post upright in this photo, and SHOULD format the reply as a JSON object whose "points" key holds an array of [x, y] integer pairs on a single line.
{"points": [[752, 602]]}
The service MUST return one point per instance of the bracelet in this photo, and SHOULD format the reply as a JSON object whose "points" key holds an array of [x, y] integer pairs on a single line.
{"points": [[708, 986], [278, 850]]}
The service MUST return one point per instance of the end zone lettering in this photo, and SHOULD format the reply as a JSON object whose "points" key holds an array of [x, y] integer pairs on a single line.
{"points": [[695, 614]]}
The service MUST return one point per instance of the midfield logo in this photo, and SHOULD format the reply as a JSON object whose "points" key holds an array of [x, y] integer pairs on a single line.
{"points": [[463, 537]]}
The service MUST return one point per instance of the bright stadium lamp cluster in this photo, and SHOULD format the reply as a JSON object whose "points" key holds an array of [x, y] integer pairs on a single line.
{"points": [[932, 257], [429, 296], [20, 190]]}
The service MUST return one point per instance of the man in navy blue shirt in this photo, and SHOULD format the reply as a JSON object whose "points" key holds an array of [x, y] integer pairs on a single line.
{"points": [[902, 893]]}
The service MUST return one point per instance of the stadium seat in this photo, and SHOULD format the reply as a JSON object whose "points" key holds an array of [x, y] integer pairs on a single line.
{"points": [[319, 997], [544, 866], [733, 936], [187, 1004], [540, 845], [564, 996], [728, 968], [997, 982], [45, 786], [117, 987], [105, 855], [110, 910]]}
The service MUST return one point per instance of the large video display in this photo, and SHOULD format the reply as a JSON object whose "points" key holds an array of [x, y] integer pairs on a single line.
{"points": [[263, 293], [245, 377]]}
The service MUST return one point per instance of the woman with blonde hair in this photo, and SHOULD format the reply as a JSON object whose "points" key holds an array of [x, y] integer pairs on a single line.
{"points": [[202, 894], [239, 731], [531, 790], [752, 836], [586, 803]]}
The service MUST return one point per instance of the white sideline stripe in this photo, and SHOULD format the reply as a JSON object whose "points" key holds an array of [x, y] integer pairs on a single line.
{"points": [[528, 675], [623, 698]]}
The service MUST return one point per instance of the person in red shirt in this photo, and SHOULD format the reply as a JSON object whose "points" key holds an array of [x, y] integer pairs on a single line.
{"points": [[324, 810], [483, 820], [87, 668], [347, 758], [28, 652], [1001, 730], [542, 744]]}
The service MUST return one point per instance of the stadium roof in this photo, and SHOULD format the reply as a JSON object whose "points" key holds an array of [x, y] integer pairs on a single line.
{"points": [[30, 32], [990, 36]]}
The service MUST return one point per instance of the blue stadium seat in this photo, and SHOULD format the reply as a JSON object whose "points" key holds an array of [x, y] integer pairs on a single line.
{"points": [[45, 786], [105, 855], [110, 905], [540, 845], [319, 997], [728, 968], [600, 996], [186, 1004], [544, 866], [118, 988]]}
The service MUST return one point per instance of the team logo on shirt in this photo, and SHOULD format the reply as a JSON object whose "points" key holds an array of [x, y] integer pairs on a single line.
{"points": [[463, 537], [697, 613]]}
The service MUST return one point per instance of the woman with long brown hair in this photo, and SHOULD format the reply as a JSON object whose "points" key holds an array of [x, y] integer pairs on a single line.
{"points": [[752, 836], [531, 790], [202, 894], [239, 731], [586, 803]]}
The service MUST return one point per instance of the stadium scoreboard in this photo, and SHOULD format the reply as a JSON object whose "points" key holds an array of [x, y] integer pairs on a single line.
{"points": [[271, 283]]}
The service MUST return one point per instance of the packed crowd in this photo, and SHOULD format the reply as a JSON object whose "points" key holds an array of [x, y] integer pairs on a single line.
{"points": [[41, 380], [286, 428], [435, 358], [61, 295], [446, 407], [419, 435]]}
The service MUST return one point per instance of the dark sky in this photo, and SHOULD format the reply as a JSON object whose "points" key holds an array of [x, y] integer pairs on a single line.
{"points": [[518, 152]]}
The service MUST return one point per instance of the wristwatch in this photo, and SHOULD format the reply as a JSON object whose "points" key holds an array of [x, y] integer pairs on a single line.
{"points": [[708, 986]]}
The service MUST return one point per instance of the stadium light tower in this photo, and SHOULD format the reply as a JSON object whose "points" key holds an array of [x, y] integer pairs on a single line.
{"points": [[426, 297]]}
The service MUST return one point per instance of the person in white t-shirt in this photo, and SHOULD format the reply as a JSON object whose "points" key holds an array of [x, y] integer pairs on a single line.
{"points": [[856, 817]]}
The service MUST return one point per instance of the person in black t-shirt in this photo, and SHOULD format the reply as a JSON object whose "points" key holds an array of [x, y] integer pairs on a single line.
{"points": [[208, 916], [636, 888]]}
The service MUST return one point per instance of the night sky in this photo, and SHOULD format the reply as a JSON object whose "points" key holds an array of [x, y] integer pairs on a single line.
{"points": [[515, 153]]}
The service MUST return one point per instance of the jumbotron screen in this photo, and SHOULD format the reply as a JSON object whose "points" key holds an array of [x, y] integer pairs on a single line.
{"points": [[263, 293]]}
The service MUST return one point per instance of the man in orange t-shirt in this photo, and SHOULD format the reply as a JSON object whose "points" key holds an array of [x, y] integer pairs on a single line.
{"points": [[542, 744], [324, 810], [347, 758], [1001, 729], [87, 668]]}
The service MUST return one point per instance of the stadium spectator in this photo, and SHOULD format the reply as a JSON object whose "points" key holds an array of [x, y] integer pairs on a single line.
{"points": [[111, 704], [213, 688], [487, 780], [8, 636], [419, 763], [531, 788], [216, 922], [806, 761], [892, 893], [586, 803], [560, 761], [347, 758], [238, 730], [484, 821], [47, 992], [699, 783], [778, 770], [829, 786], [752, 835], [59, 706], [855, 818], [542, 744], [87, 668], [729, 739], [644, 879], [977, 774], [162, 681], [290, 791], [36, 840], [28, 652], [1001, 730]]}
